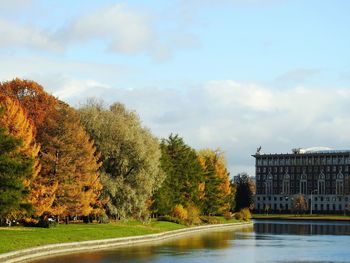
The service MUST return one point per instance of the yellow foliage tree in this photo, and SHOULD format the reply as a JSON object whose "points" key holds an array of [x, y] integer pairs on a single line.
{"points": [[16, 122], [218, 161]]}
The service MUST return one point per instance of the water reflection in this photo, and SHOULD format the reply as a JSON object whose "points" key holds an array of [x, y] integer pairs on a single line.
{"points": [[267, 241], [302, 228]]}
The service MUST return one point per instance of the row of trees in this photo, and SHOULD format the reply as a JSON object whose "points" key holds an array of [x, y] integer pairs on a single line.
{"points": [[59, 161]]}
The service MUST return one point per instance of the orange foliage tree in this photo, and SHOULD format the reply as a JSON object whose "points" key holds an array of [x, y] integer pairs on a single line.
{"points": [[76, 167], [40, 109], [16, 122]]}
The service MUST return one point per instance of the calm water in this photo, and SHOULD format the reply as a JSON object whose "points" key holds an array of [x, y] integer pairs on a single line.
{"points": [[267, 241]]}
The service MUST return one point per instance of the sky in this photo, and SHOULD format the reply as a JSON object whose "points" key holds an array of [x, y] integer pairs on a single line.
{"points": [[223, 74]]}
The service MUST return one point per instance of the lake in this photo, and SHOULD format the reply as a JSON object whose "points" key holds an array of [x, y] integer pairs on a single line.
{"points": [[266, 241]]}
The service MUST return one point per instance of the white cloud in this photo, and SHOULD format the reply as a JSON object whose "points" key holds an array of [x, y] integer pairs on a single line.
{"points": [[125, 29], [116, 28], [26, 36], [238, 117]]}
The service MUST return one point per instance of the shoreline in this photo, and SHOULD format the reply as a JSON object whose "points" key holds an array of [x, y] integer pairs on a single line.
{"points": [[75, 247]]}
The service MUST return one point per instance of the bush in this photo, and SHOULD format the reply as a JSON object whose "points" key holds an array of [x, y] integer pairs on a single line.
{"points": [[103, 219], [243, 214], [193, 215], [228, 215], [30, 222], [246, 214], [180, 212], [45, 223], [210, 220], [238, 215]]}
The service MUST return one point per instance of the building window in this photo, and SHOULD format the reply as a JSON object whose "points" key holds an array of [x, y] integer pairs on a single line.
{"points": [[286, 187], [321, 187], [339, 187], [303, 187], [268, 189]]}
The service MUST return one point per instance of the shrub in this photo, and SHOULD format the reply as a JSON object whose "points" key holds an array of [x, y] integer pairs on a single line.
{"points": [[228, 215], [45, 223], [30, 222], [246, 214], [238, 215], [180, 212], [243, 214], [193, 215], [210, 220]]}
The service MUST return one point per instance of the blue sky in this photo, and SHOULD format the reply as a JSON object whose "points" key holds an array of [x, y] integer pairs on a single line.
{"points": [[232, 74]]}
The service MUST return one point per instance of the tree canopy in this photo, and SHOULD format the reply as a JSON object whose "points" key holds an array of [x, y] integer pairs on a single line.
{"points": [[130, 158]]}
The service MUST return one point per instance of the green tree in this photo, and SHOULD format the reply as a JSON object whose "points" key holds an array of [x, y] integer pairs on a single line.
{"points": [[183, 176], [130, 158], [210, 201], [244, 197], [15, 168]]}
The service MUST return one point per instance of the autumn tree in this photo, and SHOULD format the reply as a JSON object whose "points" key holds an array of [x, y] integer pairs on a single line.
{"points": [[15, 120], [299, 203], [244, 197], [76, 167], [217, 183], [15, 169], [130, 158], [38, 104], [40, 108], [183, 176]]}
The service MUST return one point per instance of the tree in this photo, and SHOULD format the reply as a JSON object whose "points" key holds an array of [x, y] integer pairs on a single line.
{"points": [[130, 158], [40, 108], [299, 203], [39, 105], [218, 183], [15, 169], [210, 202], [76, 168], [15, 120], [183, 176], [244, 192]]}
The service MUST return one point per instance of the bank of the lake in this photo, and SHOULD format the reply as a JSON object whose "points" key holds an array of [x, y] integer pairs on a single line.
{"points": [[95, 236], [301, 217], [275, 241]]}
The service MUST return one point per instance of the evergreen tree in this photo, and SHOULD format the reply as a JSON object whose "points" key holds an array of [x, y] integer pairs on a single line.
{"points": [[183, 176], [15, 169], [244, 197], [211, 202], [215, 191]]}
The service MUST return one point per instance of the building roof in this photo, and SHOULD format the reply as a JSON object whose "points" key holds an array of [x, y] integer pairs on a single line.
{"points": [[306, 151]]}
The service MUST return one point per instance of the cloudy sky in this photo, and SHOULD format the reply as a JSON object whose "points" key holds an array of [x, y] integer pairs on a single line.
{"points": [[228, 74]]}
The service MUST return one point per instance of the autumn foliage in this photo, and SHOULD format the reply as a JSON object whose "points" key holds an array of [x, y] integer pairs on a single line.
{"points": [[96, 162]]}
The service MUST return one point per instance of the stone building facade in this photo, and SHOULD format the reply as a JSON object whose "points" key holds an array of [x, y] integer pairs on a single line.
{"points": [[322, 176]]}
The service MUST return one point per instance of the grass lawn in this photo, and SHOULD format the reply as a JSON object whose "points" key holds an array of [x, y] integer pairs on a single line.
{"points": [[16, 238], [302, 217]]}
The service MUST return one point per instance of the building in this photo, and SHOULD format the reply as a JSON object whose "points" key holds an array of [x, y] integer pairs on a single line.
{"points": [[320, 174]]}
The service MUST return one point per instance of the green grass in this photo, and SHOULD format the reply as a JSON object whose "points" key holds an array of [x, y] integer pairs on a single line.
{"points": [[16, 238], [302, 216]]}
